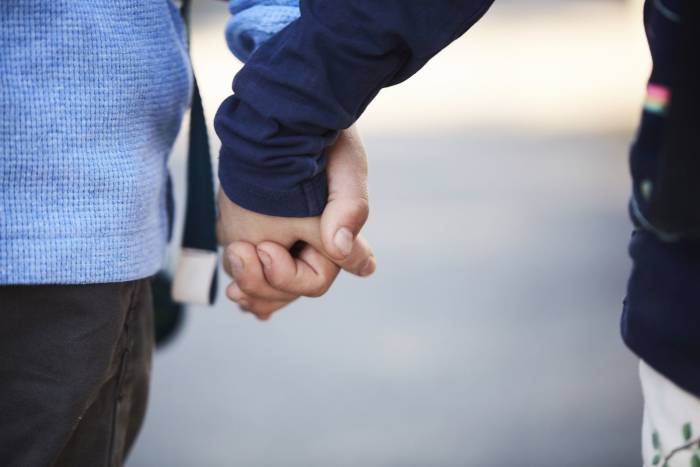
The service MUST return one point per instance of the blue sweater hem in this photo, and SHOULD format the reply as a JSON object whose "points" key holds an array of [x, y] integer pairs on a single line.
{"points": [[89, 260]]}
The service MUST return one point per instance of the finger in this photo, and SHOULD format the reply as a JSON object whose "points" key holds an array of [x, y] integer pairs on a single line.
{"points": [[248, 274], [310, 274], [348, 203], [261, 308], [360, 261]]}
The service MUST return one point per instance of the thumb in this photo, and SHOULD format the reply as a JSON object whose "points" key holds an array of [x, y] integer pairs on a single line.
{"points": [[348, 204]]}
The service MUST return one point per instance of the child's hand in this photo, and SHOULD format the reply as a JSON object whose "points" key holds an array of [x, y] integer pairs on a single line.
{"points": [[268, 277]]}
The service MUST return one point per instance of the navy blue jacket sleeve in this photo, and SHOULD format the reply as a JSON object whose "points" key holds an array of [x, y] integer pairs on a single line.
{"points": [[315, 78]]}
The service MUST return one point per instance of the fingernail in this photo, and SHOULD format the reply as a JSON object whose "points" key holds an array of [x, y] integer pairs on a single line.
{"points": [[343, 241], [265, 258], [369, 267], [237, 263]]}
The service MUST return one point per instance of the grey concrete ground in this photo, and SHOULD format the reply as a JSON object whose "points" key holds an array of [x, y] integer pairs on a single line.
{"points": [[488, 337]]}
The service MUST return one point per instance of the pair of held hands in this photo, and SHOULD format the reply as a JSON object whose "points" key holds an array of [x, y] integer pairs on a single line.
{"points": [[266, 275]]}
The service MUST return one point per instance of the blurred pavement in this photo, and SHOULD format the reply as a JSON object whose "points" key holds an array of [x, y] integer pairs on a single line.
{"points": [[489, 335]]}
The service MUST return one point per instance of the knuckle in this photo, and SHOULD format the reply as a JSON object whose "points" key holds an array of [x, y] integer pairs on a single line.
{"points": [[320, 288], [281, 281], [361, 208], [314, 292]]}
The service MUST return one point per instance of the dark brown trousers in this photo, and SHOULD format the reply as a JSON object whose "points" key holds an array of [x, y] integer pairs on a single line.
{"points": [[75, 363]]}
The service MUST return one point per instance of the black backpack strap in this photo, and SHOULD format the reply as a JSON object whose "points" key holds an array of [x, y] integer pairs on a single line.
{"points": [[195, 278]]}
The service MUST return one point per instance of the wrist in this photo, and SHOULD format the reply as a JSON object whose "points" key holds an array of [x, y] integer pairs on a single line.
{"points": [[306, 199]]}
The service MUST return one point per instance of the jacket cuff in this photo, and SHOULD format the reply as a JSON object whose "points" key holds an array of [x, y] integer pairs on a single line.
{"points": [[307, 199]]}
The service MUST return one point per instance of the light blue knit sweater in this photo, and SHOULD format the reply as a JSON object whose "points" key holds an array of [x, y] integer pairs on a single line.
{"points": [[255, 21], [92, 93]]}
